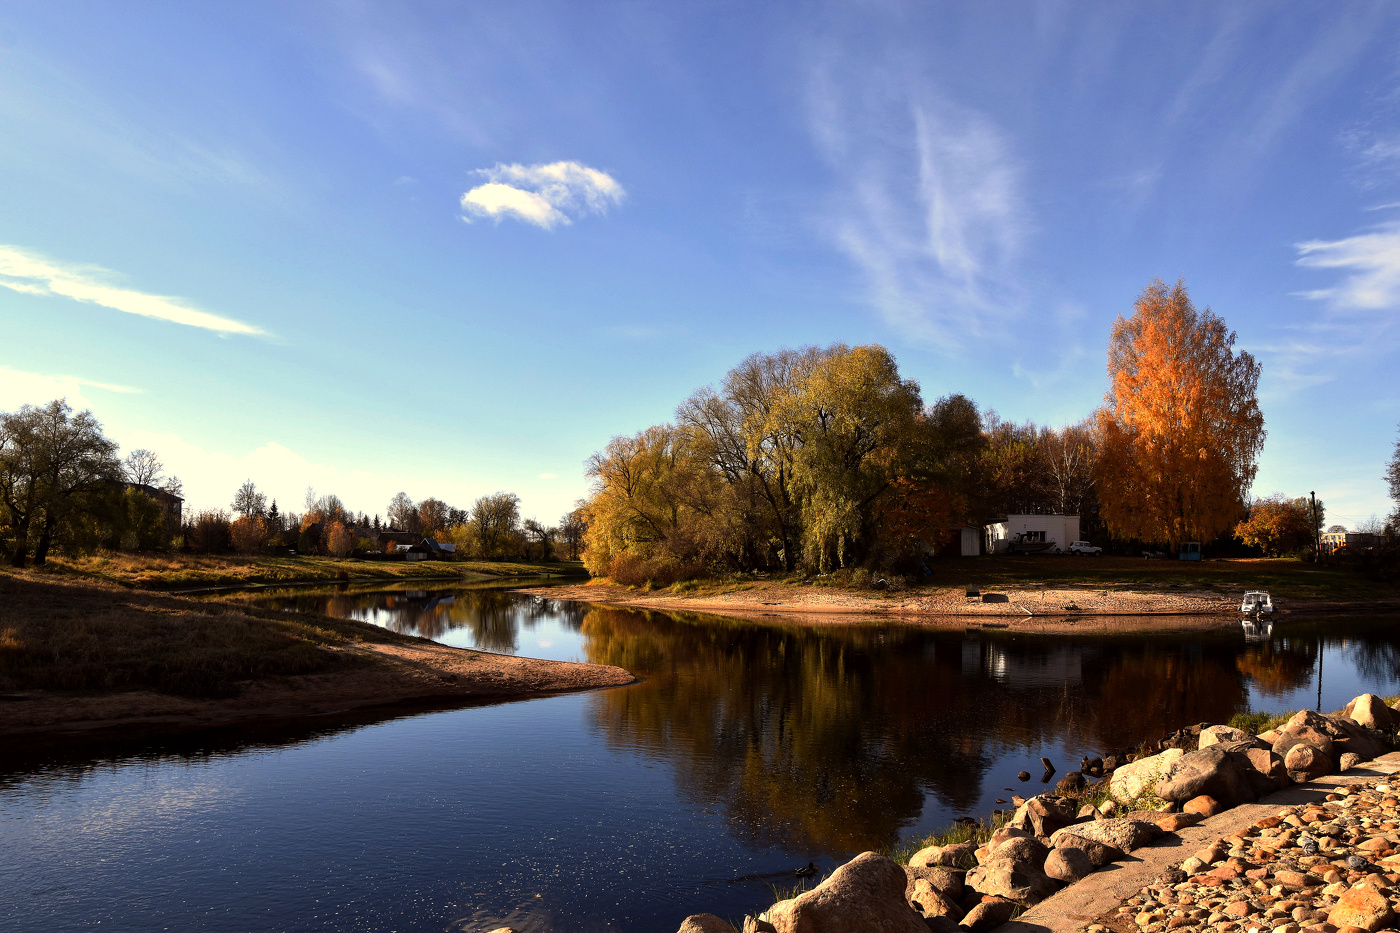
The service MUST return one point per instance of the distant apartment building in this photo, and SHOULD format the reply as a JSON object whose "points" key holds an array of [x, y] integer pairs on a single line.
{"points": [[1352, 540]]}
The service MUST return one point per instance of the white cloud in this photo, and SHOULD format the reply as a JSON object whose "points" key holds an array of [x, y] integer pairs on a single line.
{"points": [[24, 388], [32, 274], [548, 476], [1370, 267], [929, 205], [543, 195]]}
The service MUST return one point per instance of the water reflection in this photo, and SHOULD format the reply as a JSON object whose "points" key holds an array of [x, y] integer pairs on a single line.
{"points": [[835, 738], [487, 617], [747, 748]]}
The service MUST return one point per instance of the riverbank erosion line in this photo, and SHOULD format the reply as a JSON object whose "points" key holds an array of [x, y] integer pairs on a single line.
{"points": [[80, 657]]}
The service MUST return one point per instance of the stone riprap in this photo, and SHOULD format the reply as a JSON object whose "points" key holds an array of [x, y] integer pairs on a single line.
{"points": [[1308, 868], [1325, 867]]}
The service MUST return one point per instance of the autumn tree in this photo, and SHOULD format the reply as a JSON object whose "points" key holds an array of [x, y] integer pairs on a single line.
{"points": [[1181, 428], [1277, 524], [339, 541], [852, 418], [495, 524], [433, 517], [248, 533]]}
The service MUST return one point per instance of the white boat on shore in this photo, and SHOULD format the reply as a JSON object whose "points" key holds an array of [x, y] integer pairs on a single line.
{"points": [[1257, 603]]}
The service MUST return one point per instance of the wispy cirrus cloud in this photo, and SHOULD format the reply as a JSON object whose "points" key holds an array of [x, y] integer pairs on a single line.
{"points": [[1369, 264], [543, 195], [32, 274], [929, 204]]}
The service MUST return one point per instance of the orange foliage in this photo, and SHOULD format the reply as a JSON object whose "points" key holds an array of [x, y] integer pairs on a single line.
{"points": [[248, 533], [919, 512], [339, 541], [1181, 427]]}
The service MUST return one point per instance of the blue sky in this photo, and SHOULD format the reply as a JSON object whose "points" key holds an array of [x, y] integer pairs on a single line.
{"points": [[452, 248]]}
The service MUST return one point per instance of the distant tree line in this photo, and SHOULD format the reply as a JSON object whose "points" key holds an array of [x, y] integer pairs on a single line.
{"points": [[814, 459], [491, 529], [62, 485]]}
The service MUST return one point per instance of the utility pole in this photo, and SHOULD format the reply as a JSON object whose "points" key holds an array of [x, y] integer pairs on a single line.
{"points": [[1317, 542]]}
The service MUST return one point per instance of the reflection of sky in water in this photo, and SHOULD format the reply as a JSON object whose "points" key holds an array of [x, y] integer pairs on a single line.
{"points": [[745, 749]]}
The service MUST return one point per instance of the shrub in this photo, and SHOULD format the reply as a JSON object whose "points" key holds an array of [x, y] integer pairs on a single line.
{"points": [[629, 570], [210, 532]]}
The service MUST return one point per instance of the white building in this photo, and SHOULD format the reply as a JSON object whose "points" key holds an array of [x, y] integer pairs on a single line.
{"points": [[1056, 530]]}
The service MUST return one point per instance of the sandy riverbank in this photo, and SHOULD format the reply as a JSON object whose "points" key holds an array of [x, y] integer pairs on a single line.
{"points": [[83, 658], [1003, 603], [1014, 606]]}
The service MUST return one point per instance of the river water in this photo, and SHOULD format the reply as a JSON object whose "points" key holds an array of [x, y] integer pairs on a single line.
{"points": [[747, 751]]}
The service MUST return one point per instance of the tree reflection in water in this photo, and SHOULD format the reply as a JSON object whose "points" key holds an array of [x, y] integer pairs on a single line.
{"points": [[828, 738], [838, 738]]}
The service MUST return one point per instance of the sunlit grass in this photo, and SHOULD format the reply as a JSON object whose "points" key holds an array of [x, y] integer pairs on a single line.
{"points": [[165, 571]]}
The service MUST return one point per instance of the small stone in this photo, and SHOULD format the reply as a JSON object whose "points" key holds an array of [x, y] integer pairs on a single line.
{"points": [[1238, 909], [1205, 805]]}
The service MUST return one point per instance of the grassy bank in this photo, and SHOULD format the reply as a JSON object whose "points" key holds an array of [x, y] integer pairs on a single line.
{"points": [[64, 635], [169, 571]]}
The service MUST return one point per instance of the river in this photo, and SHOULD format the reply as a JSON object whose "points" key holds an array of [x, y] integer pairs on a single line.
{"points": [[746, 751]]}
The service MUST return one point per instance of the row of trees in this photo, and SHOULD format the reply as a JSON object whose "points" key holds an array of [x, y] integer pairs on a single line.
{"points": [[816, 458], [62, 484], [492, 529]]}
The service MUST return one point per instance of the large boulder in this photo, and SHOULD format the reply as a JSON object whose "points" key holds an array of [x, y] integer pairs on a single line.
{"points": [[1346, 735], [1098, 853], [946, 881], [954, 855], [1068, 865], [1122, 834], [705, 923], [1214, 771], [1212, 735], [1264, 769], [1012, 879], [930, 902], [1306, 762], [988, 915], [1370, 711], [1022, 849], [867, 893], [1129, 781], [1043, 814]]}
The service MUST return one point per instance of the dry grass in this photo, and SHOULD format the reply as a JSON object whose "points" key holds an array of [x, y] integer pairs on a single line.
{"points": [[166, 571], [63, 635]]}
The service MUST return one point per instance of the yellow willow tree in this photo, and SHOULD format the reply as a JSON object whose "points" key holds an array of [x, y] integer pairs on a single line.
{"points": [[852, 419], [1180, 426]]}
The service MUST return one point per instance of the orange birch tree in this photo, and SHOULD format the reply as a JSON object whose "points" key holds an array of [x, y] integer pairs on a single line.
{"points": [[1181, 428]]}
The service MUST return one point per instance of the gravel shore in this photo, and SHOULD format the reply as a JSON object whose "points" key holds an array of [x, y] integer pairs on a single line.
{"points": [[1327, 867]]}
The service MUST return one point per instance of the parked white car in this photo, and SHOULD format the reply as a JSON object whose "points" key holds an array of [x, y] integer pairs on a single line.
{"points": [[1084, 547]]}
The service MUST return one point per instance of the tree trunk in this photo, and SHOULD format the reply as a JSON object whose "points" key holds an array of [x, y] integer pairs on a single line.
{"points": [[21, 545], [41, 550]]}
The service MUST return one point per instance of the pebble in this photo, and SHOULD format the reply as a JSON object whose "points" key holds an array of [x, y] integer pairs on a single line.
{"points": [[1284, 874]]}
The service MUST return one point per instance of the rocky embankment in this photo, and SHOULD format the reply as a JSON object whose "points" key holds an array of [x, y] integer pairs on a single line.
{"points": [[1324, 867]]}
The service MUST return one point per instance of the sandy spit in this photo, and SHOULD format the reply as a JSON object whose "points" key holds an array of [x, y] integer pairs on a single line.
{"points": [[421, 674]]}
